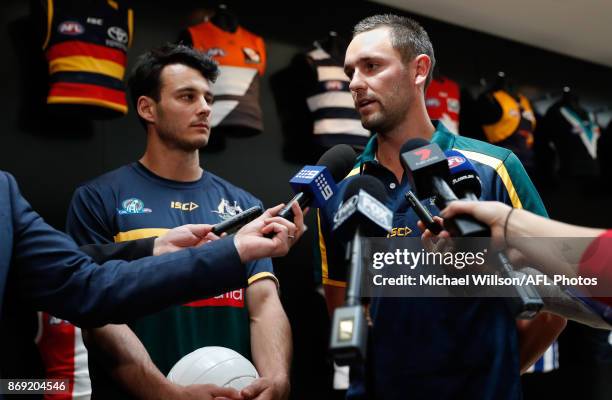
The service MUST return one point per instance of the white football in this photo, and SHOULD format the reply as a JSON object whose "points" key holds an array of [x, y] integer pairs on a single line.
{"points": [[214, 365]]}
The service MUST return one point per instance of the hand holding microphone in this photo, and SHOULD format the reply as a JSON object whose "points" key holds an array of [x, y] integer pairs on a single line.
{"points": [[269, 235], [427, 168], [466, 183], [317, 184]]}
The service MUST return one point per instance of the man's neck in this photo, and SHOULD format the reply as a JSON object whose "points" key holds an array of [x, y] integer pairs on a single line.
{"points": [[390, 143], [171, 163]]}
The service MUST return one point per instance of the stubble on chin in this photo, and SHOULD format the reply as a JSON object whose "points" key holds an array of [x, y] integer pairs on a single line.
{"points": [[174, 141]]}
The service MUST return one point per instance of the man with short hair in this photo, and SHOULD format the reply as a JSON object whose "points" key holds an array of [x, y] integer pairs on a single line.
{"points": [[170, 88], [42, 269], [430, 348]]}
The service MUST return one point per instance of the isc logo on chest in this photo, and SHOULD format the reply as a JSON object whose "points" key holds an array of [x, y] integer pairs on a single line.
{"points": [[183, 206]]}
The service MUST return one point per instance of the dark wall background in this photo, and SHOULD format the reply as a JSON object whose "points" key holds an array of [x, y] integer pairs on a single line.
{"points": [[49, 157]]}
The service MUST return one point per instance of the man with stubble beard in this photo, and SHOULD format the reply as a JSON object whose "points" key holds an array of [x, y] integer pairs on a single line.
{"points": [[426, 348], [166, 187]]}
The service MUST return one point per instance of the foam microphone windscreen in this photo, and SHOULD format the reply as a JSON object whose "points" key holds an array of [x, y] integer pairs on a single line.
{"points": [[369, 184], [414, 144], [339, 160]]}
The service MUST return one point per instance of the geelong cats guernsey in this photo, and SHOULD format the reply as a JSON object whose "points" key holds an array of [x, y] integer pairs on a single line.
{"points": [[86, 48], [335, 119]]}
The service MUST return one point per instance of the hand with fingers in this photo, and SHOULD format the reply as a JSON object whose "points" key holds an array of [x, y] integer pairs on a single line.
{"points": [[207, 392], [266, 389], [252, 242], [183, 237]]}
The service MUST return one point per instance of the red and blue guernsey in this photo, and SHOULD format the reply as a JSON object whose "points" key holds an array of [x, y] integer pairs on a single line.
{"points": [[436, 348], [130, 203], [86, 47]]}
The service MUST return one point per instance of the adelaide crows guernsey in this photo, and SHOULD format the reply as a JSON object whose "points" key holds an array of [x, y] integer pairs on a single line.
{"points": [[130, 203], [86, 48], [436, 348], [242, 60]]}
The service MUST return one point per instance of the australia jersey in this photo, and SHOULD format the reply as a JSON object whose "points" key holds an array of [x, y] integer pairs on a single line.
{"points": [[442, 102], [440, 348], [242, 60], [132, 202], [86, 48]]}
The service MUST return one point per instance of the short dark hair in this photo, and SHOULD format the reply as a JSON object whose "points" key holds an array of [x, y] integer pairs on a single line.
{"points": [[407, 37], [144, 79]]}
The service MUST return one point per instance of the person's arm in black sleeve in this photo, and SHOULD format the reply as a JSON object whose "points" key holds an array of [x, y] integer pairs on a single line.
{"points": [[127, 251], [51, 274]]}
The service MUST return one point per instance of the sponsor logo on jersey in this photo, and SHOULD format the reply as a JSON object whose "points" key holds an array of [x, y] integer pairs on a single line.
{"points": [[334, 85], [133, 206], [400, 232], [226, 210], [56, 321], [452, 105], [234, 298], [117, 34], [455, 161], [529, 115], [177, 205], [251, 56], [432, 102], [215, 52], [95, 21], [71, 28]]}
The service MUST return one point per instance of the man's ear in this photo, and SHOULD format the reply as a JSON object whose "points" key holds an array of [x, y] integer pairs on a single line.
{"points": [[146, 108], [422, 64]]}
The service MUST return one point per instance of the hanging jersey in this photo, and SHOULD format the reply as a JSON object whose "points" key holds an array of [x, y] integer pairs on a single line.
{"points": [[575, 135], [64, 356], [335, 119], [242, 60], [131, 203], [604, 152], [514, 130], [442, 102], [86, 49], [423, 343]]}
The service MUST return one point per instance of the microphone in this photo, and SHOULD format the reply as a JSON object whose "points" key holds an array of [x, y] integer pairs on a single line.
{"points": [[362, 210], [236, 222], [427, 168], [362, 213], [317, 183], [465, 181], [423, 213]]}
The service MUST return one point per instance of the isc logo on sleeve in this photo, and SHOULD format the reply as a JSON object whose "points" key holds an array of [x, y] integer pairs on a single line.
{"points": [[183, 206]]}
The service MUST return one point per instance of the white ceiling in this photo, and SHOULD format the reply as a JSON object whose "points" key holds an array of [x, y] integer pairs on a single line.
{"points": [[578, 28]]}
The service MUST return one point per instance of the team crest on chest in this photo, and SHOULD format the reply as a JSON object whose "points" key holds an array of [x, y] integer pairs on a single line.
{"points": [[133, 206], [226, 210]]}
